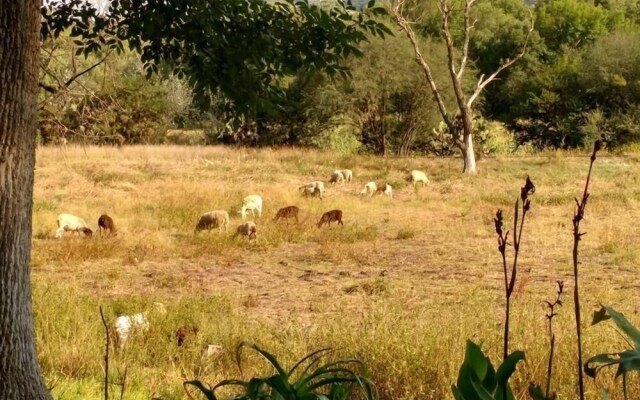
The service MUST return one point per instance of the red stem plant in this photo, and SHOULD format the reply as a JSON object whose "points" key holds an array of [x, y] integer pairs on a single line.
{"points": [[578, 216], [510, 279]]}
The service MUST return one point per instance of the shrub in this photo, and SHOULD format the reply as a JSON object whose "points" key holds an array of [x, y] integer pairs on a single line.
{"points": [[335, 380]]}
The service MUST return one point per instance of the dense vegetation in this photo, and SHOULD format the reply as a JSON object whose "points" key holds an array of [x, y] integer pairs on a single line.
{"points": [[578, 79]]}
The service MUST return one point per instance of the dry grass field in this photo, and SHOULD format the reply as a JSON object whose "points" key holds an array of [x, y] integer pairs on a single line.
{"points": [[400, 286]]}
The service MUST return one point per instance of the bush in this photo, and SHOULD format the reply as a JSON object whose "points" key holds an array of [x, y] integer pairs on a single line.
{"points": [[335, 380]]}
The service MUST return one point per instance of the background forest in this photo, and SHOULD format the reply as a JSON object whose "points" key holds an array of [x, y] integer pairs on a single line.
{"points": [[579, 78]]}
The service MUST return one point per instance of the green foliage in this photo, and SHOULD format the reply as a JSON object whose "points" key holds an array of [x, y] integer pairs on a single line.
{"points": [[479, 380], [243, 49], [573, 23], [334, 380], [536, 393], [627, 360]]}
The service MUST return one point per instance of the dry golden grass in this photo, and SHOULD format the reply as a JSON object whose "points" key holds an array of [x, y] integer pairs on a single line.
{"points": [[401, 285]]}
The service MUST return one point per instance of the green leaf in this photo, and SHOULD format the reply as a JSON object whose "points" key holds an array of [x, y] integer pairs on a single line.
{"points": [[281, 386], [475, 358], [536, 393], [482, 393], [600, 315], [208, 393], [629, 361], [604, 359], [508, 367], [625, 326], [314, 354], [456, 393]]}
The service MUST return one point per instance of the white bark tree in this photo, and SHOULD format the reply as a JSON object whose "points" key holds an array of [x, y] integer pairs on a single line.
{"points": [[460, 123]]}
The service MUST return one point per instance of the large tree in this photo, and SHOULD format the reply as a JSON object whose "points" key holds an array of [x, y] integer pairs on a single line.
{"points": [[242, 49], [237, 47], [19, 44], [460, 122]]}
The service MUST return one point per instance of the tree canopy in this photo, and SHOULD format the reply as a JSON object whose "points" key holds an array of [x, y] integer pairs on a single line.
{"points": [[240, 48]]}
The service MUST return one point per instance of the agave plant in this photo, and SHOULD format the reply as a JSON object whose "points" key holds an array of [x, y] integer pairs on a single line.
{"points": [[335, 380], [627, 360]]}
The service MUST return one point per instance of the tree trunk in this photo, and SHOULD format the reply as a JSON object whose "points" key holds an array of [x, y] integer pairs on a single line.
{"points": [[19, 43], [467, 141], [469, 155]]}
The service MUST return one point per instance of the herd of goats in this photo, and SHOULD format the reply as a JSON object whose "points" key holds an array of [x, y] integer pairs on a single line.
{"points": [[125, 325], [220, 218]]}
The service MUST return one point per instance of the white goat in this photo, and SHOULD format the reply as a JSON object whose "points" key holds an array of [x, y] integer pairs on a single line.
{"points": [[337, 177], [129, 325], [68, 222], [418, 176], [212, 350], [315, 188], [346, 173], [126, 326], [312, 192], [369, 189], [213, 219], [252, 202]]}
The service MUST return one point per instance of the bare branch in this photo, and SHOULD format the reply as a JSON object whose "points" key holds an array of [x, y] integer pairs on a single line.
{"points": [[467, 29], [47, 88], [86, 70], [482, 82], [406, 27], [76, 75], [464, 111]]}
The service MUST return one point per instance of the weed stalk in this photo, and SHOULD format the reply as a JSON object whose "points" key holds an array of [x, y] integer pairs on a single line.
{"points": [[551, 306], [106, 356], [518, 224], [578, 216]]}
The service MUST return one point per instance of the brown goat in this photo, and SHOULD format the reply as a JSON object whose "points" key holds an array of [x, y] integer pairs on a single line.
{"points": [[105, 223], [330, 216], [247, 229], [287, 212], [184, 332]]}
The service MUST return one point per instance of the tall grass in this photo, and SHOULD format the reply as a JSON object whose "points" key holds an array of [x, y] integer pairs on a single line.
{"points": [[402, 284]]}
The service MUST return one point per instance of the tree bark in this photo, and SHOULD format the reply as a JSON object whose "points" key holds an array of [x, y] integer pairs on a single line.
{"points": [[469, 155], [19, 43], [467, 141]]}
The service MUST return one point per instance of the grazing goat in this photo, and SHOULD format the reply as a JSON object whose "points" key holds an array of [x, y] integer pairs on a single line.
{"points": [[212, 350], [416, 177], [385, 189], [309, 188], [247, 229], [346, 173], [184, 332], [312, 192], [68, 222], [336, 177], [253, 202], [369, 189], [213, 219], [286, 213], [126, 325], [105, 223], [329, 217]]}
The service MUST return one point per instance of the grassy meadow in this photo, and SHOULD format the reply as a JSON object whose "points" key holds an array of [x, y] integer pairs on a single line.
{"points": [[400, 286]]}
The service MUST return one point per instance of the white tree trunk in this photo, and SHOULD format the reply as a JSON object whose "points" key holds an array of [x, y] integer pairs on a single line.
{"points": [[469, 155], [19, 43]]}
